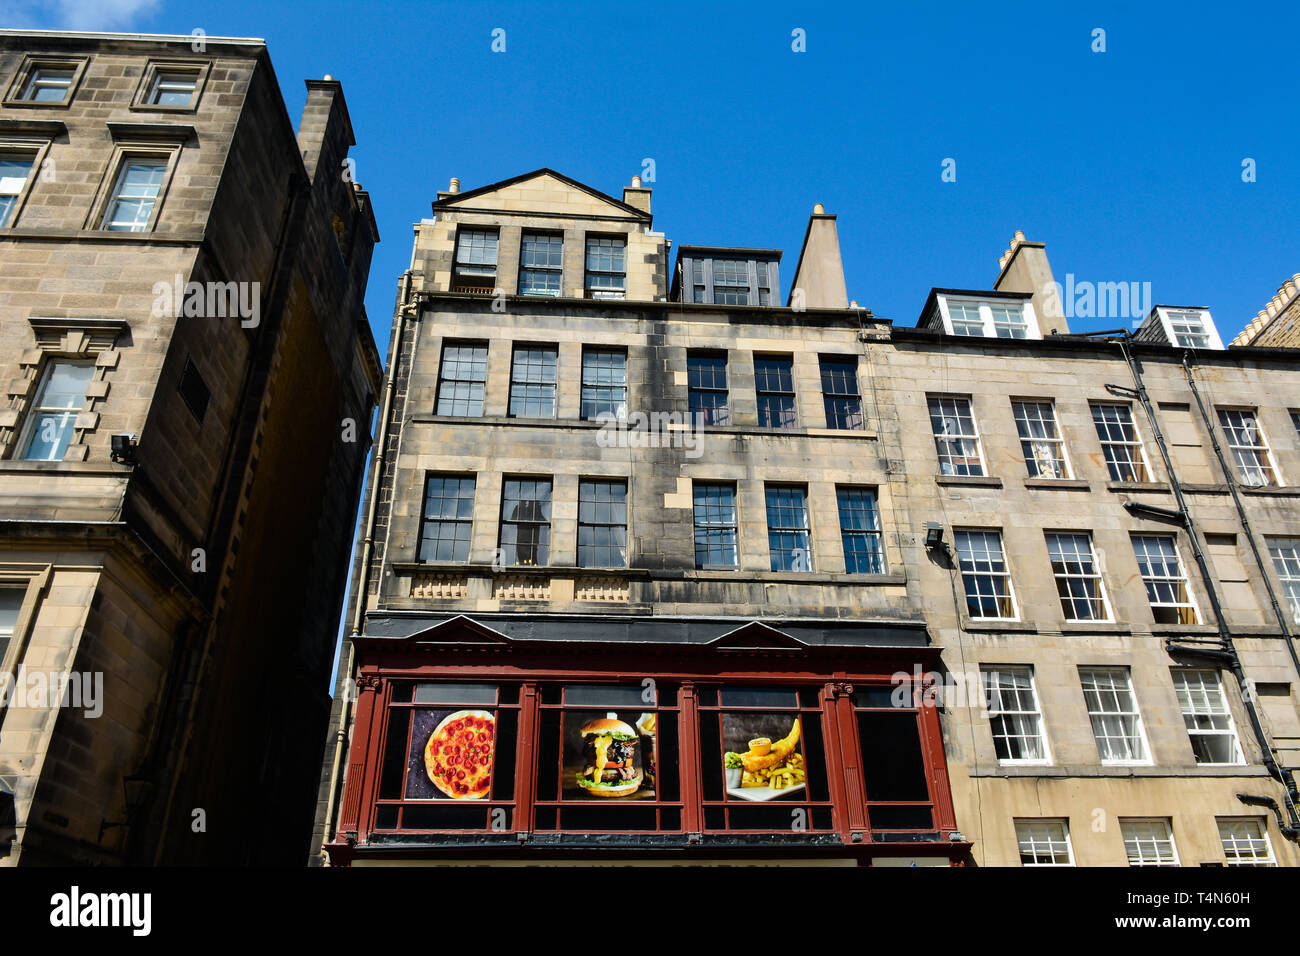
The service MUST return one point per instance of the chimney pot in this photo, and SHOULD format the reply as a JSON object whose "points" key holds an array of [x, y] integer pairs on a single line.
{"points": [[328, 77], [636, 182], [819, 210], [455, 185], [853, 304]]}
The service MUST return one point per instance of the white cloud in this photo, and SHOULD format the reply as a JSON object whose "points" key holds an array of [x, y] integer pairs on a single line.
{"points": [[75, 14]]}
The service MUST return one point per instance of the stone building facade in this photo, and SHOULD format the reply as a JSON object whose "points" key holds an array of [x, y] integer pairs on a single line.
{"points": [[608, 484], [1278, 323], [190, 380]]}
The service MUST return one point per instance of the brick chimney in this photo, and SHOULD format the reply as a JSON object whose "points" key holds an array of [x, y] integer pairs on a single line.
{"points": [[1025, 269], [819, 276]]}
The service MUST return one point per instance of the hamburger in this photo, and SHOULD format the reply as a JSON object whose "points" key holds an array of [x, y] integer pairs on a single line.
{"points": [[609, 758]]}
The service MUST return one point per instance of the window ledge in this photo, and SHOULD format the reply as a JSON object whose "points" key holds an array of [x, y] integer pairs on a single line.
{"points": [[1060, 484], [1148, 487], [68, 467], [194, 238], [1098, 627], [1270, 491], [35, 127], [897, 579], [981, 481], [487, 570], [1119, 770], [985, 625], [1204, 489], [169, 132], [1173, 630]]}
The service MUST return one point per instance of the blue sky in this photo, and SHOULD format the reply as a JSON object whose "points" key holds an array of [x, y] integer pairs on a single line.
{"points": [[1127, 163]]}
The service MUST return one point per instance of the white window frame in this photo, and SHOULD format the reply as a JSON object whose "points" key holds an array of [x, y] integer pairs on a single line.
{"points": [[1271, 477], [1285, 552], [1261, 825], [1137, 835], [1137, 442], [1139, 731], [1178, 581], [165, 77], [940, 438], [1187, 698], [123, 157], [1025, 833], [1017, 404], [1005, 575], [1096, 575], [995, 710], [1168, 318], [988, 323]]}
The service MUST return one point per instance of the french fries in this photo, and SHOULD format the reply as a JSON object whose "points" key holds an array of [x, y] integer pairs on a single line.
{"points": [[788, 774]]}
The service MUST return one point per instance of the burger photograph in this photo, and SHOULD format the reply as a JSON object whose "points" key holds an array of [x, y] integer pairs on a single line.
{"points": [[604, 758]]}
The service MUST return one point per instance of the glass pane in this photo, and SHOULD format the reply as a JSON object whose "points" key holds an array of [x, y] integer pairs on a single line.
{"points": [[609, 756], [758, 697], [611, 695], [763, 756], [891, 757], [451, 755], [455, 693]]}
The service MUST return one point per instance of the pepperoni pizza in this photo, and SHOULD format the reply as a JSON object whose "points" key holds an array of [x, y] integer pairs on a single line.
{"points": [[458, 756]]}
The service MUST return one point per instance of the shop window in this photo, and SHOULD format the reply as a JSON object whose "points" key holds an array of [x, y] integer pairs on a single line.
{"points": [[763, 760], [449, 758], [607, 759], [893, 759]]}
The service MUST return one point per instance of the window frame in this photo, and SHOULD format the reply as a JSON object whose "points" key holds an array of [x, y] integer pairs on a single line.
{"points": [[445, 379], [1029, 823], [1139, 728], [526, 400], [692, 391], [1145, 475], [1170, 317], [1067, 576], [1284, 550], [476, 284], [1062, 455], [33, 408], [733, 526], [988, 322], [123, 157], [455, 521], [764, 394], [1271, 476], [1138, 840], [1264, 837], [38, 150], [32, 580], [545, 526], [1182, 673], [23, 78], [620, 408], [557, 272], [853, 398], [583, 484], [975, 573], [794, 531], [1180, 581], [866, 534], [947, 460], [149, 79], [987, 671], [588, 273]]}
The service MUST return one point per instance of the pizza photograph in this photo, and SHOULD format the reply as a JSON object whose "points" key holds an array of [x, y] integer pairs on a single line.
{"points": [[451, 755]]}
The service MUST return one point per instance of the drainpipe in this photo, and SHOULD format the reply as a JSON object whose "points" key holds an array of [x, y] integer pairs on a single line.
{"points": [[1228, 655], [367, 545]]}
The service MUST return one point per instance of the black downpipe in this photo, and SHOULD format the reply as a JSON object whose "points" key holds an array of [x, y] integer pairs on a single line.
{"points": [[1229, 654]]}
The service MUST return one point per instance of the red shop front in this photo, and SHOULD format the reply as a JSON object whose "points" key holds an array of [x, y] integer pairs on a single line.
{"points": [[471, 746]]}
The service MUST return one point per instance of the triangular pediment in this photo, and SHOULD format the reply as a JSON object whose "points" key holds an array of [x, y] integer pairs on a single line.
{"points": [[459, 630], [756, 636], [543, 191]]}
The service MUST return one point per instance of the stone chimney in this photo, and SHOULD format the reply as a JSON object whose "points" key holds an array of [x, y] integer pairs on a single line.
{"points": [[819, 276], [325, 130], [1024, 268], [637, 196]]}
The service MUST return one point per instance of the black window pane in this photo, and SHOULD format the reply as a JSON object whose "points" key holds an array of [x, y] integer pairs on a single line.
{"points": [[891, 756]]}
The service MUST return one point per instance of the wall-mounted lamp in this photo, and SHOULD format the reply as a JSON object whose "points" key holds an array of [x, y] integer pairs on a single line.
{"points": [[933, 535], [123, 449]]}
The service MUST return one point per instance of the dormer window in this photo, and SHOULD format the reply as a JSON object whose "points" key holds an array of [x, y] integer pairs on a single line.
{"points": [[476, 262], [727, 276], [1182, 328], [987, 318]]}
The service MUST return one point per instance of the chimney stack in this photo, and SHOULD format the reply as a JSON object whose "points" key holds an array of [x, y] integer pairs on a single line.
{"points": [[1024, 268], [820, 273], [637, 196]]}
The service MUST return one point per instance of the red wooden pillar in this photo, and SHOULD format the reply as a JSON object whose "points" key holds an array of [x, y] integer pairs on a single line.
{"points": [[688, 739], [525, 779], [846, 773], [363, 759], [927, 699]]}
